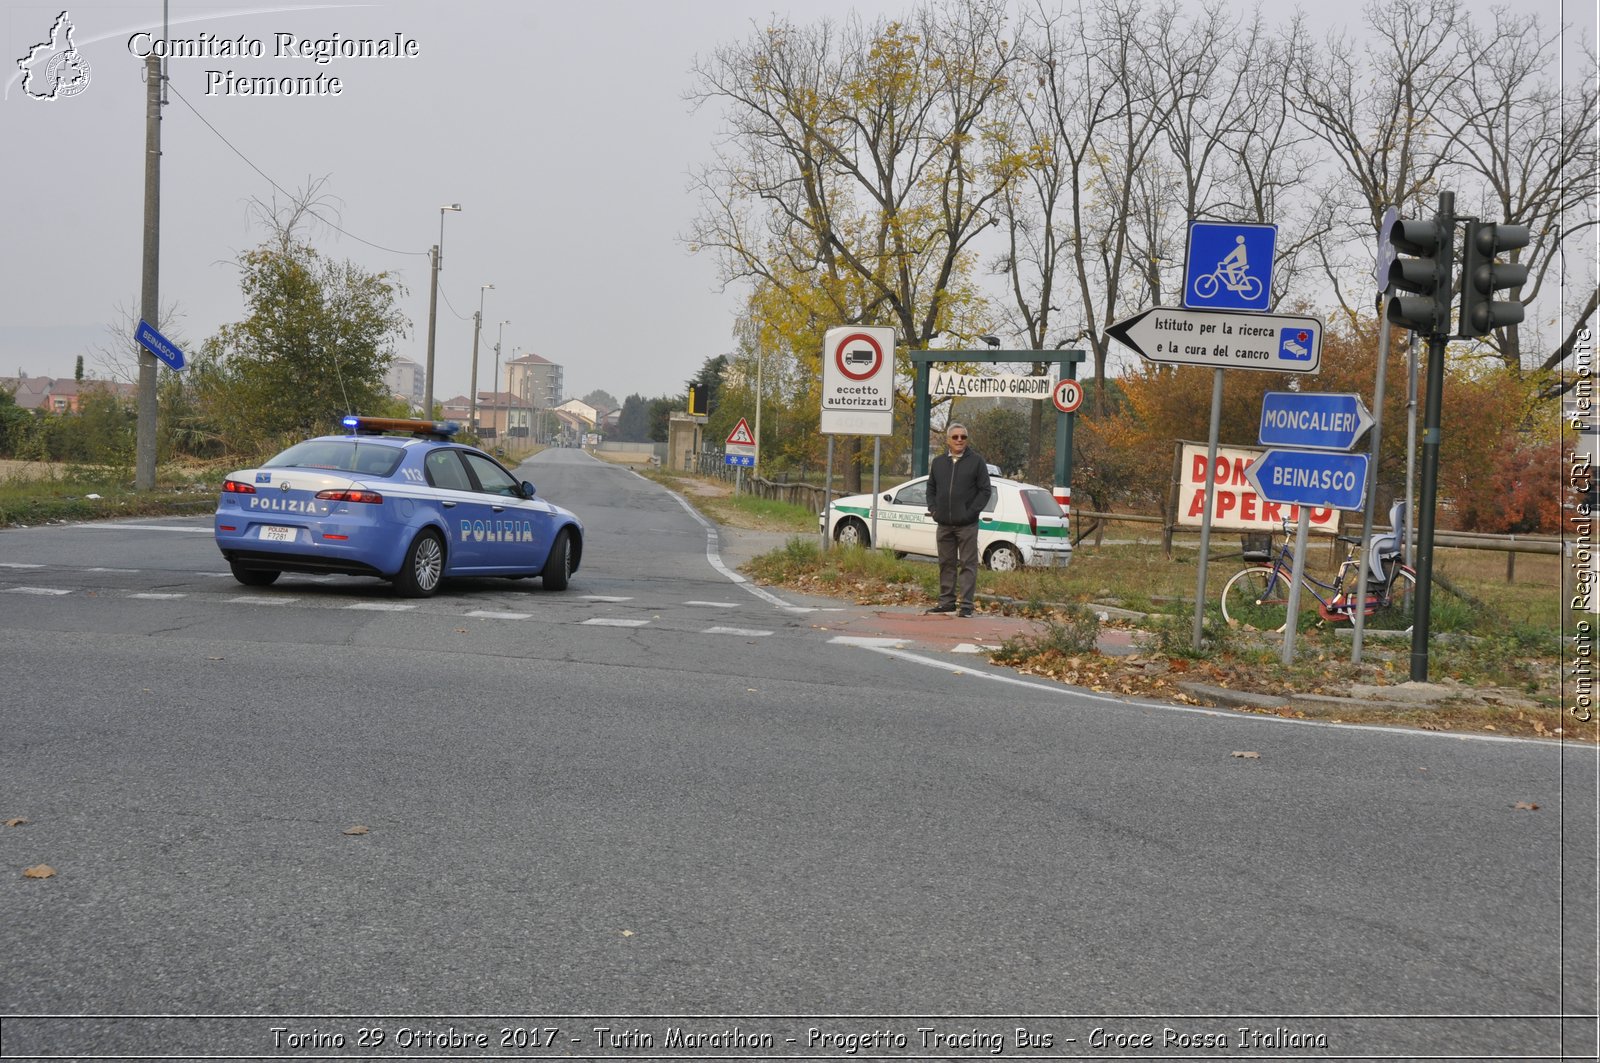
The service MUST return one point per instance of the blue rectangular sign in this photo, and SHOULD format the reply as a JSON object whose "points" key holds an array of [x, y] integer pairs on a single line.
{"points": [[159, 345], [1332, 421], [1229, 266], [747, 460], [1316, 478]]}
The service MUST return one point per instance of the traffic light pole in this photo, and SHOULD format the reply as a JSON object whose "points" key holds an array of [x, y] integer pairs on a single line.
{"points": [[1432, 407]]}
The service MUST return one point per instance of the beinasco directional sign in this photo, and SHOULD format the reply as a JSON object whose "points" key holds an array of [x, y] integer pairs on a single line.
{"points": [[1221, 339], [858, 381], [1310, 478], [159, 345]]}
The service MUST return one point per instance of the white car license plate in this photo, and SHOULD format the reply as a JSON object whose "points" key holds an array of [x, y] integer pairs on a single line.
{"points": [[277, 533]]}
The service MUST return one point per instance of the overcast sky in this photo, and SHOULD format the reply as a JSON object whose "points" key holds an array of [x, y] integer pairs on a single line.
{"points": [[560, 128]]}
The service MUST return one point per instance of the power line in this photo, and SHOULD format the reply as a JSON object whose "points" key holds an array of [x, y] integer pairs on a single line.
{"points": [[280, 188]]}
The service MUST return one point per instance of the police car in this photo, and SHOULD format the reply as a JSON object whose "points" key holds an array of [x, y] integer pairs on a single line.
{"points": [[1021, 525], [396, 499]]}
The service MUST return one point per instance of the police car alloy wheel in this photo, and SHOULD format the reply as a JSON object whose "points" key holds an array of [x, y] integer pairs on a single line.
{"points": [[852, 533], [558, 569], [419, 576]]}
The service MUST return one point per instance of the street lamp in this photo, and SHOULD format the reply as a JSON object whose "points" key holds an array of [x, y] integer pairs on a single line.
{"points": [[477, 327], [498, 337], [433, 312]]}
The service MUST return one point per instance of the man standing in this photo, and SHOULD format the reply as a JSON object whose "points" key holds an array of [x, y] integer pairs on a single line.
{"points": [[958, 489]]}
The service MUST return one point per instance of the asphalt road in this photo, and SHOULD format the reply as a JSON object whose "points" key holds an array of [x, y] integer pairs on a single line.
{"points": [[664, 793]]}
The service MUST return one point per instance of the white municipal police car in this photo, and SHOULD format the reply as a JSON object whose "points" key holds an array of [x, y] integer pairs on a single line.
{"points": [[411, 508], [1021, 525]]}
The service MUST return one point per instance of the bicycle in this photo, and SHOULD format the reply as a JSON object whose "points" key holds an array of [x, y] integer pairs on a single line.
{"points": [[1257, 598], [1248, 287]]}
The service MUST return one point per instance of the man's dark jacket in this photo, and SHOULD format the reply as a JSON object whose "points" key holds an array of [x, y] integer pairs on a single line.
{"points": [[958, 490]]}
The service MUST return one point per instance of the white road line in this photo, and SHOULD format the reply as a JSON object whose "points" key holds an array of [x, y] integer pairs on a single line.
{"points": [[382, 607], [148, 527], [611, 621], [716, 560], [18, 564], [745, 631], [490, 614], [35, 590], [1191, 710], [867, 641], [155, 596], [127, 570], [716, 605], [603, 598], [215, 575], [968, 647], [251, 599]]}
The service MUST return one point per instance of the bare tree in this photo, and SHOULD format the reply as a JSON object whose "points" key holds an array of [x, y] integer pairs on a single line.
{"points": [[857, 170], [1378, 106], [1528, 149]]}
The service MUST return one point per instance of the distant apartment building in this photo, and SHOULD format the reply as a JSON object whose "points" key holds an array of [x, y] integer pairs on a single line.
{"points": [[406, 381]]}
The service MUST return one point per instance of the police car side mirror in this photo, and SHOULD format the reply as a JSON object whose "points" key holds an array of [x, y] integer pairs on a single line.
{"points": [[527, 489]]}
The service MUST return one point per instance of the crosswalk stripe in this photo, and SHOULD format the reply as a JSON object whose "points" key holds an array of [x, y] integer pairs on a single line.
{"points": [[35, 590], [490, 614], [382, 607], [748, 632], [153, 595], [612, 621]]}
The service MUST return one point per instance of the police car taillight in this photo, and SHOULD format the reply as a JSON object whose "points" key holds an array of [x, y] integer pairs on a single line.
{"points": [[369, 497], [375, 426], [234, 487]]}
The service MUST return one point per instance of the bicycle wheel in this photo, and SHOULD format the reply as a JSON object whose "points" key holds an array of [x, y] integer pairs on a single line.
{"points": [[1206, 287], [1257, 599], [1251, 289], [1400, 610]]}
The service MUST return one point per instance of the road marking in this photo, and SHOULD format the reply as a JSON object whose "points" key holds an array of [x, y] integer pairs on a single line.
{"points": [[251, 599], [603, 598], [968, 647], [35, 590], [745, 631], [18, 564], [215, 575], [134, 570], [716, 605], [382, 607], [148, 527], [156, 596], [867, 641], [611, 621], [490, 614]]}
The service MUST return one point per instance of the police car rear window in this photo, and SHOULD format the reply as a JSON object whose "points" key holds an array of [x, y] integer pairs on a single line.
{"points": [[1043, 503], [360, 457]]}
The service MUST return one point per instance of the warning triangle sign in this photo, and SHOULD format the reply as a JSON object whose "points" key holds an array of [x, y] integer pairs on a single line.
{"points": [[741, 434]]}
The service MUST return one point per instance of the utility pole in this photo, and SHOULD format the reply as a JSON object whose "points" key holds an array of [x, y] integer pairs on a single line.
{"points": [[144, 478]]}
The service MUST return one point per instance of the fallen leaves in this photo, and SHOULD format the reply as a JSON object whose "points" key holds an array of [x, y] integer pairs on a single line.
{"points": [[16, 821], [357, 830], [39, 871], [1525, 806], [1246, 754]]}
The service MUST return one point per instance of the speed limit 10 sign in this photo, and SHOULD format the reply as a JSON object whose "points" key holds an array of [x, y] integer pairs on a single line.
{"points": [[1068, 396]]}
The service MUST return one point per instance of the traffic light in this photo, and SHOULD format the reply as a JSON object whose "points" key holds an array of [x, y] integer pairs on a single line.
{"points": [[1426, 273], [699, 400], [1482, 276]]}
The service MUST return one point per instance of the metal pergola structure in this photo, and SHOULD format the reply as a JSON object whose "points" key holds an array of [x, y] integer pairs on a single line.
{"points": [[923, 407]]}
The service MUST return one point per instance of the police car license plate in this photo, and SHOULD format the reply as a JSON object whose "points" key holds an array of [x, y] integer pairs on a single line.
{"points": [[277, 533]]}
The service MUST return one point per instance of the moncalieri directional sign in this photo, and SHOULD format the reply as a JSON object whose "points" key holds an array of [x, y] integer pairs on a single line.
{"points": [[1331, 421], [1310, 478], [159, 345], [1222, 339]]}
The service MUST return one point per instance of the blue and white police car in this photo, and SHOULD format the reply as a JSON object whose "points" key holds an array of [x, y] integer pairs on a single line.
{"points": [[397, 499]]}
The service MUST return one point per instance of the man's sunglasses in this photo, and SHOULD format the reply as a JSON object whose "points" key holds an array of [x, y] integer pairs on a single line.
{"points": [[958, 439]]}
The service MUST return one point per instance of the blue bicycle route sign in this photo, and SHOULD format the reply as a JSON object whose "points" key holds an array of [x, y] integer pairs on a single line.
{"points": [[1310, 478], [1332, 421], [159, 345], [1229, 266]]}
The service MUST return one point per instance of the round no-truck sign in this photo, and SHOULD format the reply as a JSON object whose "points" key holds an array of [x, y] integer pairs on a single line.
{"points": [[1068, 396], [859, 355]]}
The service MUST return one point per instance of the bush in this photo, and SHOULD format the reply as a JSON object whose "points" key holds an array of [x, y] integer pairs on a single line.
{"points": [[1074, 634]]}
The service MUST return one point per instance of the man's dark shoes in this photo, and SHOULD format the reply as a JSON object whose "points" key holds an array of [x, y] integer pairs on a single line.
{"points": [[942, 609], [966, 610]]}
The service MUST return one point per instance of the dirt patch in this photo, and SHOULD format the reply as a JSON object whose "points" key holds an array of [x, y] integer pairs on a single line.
{"points": [[31, 470]]}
